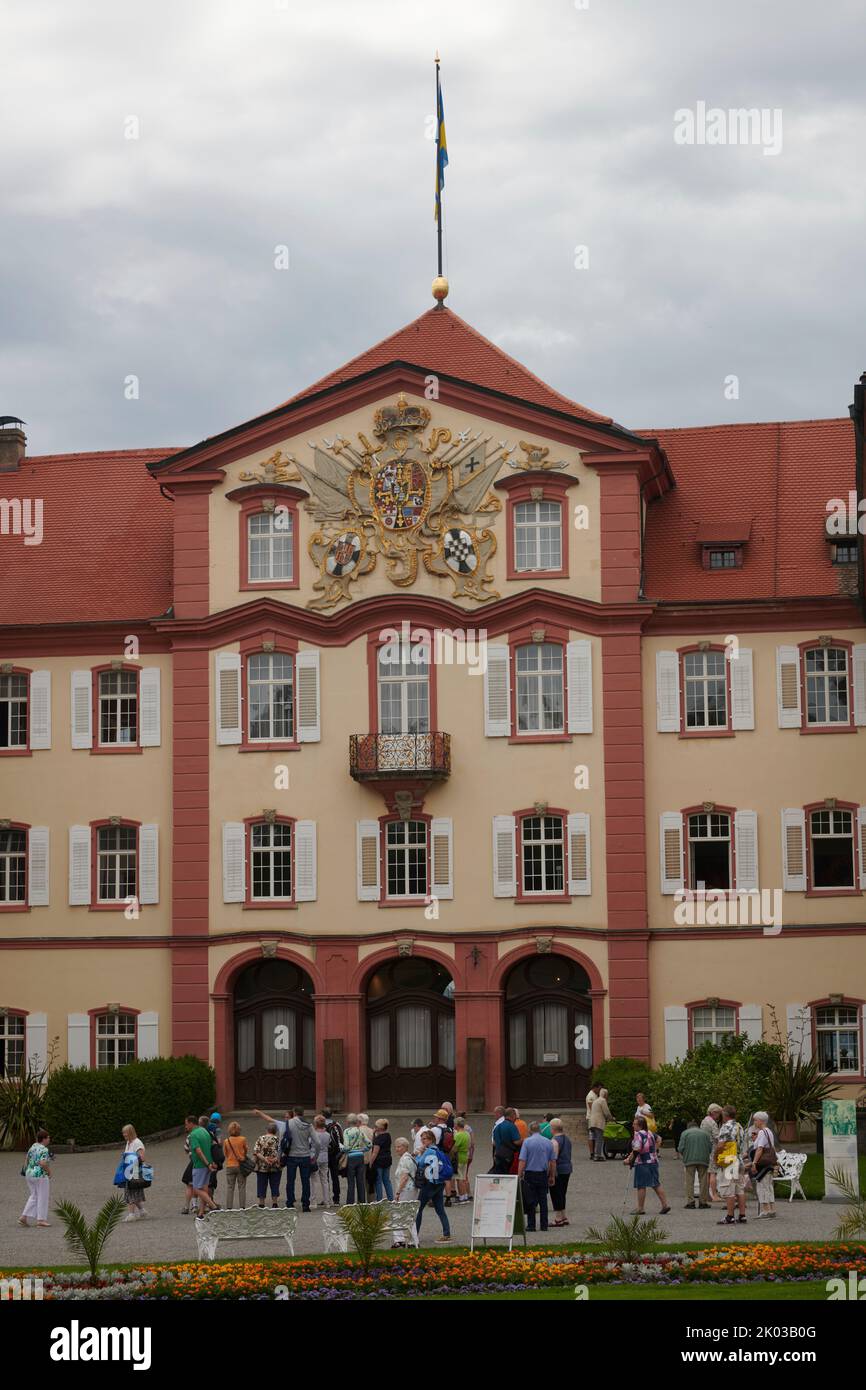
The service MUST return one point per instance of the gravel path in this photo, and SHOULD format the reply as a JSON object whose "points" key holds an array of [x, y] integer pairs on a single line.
{"points": [[597, 1190]]}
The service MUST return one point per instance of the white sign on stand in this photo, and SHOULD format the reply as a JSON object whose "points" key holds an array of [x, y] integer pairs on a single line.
{"points": [[840, 1147], [496, 1213]]}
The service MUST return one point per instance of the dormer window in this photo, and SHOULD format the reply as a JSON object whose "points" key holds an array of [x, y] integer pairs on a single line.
{"points": [[722, 543], [845, 553], [728, 559]]}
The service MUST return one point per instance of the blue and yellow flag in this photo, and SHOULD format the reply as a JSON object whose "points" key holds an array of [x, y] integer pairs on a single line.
{"points": [[441, 149]]}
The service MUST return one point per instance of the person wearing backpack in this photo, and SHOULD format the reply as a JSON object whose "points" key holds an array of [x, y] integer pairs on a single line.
{"points": [[335, 1132], [432, 1171]]}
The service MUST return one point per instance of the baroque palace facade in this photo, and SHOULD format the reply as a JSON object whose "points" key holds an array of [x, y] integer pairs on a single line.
{"points": [[433, 735]]}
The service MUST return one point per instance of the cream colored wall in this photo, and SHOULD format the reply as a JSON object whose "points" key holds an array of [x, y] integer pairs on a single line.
{"points": [[489, 777], [770, 971], [69, 981], [763, 770], [585, 563], [63, 786]]}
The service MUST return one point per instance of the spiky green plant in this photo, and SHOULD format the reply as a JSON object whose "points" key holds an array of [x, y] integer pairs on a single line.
{"points": [[853, 1223], [365, 1223], [85, 1240], [21, 1101], [626, 1239]]}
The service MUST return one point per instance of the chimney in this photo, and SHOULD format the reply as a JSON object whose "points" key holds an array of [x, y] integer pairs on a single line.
{"points": [[13, 443]]}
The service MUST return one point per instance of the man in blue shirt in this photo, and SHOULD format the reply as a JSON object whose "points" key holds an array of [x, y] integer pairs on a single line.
{"points": [[537, 1168], [506, 1143]]}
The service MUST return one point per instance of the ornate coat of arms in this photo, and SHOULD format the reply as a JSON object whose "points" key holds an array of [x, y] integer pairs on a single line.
{"points": [[403, 498]]}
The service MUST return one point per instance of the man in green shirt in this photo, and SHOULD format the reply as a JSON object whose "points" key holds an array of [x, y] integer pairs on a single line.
{"points": [[201, 1154], [695, 1148]]}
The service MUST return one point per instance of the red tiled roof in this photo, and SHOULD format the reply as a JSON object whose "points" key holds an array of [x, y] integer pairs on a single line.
{"points": [[778, 476], [440, 341], [106, 551]]}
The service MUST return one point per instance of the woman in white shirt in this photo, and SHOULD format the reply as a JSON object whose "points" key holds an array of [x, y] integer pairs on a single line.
{"points": [[133, 1155], [404, 1182], [763, 1148]]}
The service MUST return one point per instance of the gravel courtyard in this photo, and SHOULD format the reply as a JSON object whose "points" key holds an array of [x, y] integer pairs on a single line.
{"points": [[596, 1191]]}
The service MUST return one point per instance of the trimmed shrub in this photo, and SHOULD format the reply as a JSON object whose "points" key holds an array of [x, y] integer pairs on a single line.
{"points": [[92, 1107], [623, 1077]]}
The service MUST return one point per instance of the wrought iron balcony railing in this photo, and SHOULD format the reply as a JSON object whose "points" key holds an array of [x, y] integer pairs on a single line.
{"points": [[396, 755]]}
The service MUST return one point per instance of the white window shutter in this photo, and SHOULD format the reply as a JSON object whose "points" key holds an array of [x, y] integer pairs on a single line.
{"points": [[305, 861], [668, 692], [788, 686], [497, 692], [799, 1025], [78, 1040], [40, 709], [79, 865], [794, 850], [671, 851], [752, 1021], [742, 690], [150, 714], [676, 1032], [37, 866], [147, 1037], [228, 697], [82, 709], [308, 700], [148, 865], [746, 849], [442, 857], [579, 670], [504, 857], [368, 860], [861, 841], [858, 666], [36, 1041], [234, 853], [579, 855]]}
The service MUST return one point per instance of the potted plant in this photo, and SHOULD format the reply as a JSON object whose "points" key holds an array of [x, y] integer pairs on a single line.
{"points": [[796, 1090]]}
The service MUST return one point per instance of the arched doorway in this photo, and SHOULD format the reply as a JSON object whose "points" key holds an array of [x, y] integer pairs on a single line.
{"points": [[546, 1002], [410, 1034], [275, 1036]]}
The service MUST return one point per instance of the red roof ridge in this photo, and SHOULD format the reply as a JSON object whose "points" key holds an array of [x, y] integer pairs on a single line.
{"points": [[373, 356], [745, 425], [103, 453]]}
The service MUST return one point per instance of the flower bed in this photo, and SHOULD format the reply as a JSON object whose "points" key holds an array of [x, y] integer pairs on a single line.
{"points": [[489, 1271]]}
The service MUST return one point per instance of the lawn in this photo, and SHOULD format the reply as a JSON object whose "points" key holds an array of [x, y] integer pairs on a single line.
{"points": [[812, 1179], [814, 1292]]}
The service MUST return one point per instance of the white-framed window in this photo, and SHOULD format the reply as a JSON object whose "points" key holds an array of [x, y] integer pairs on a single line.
{"points": [[13, 711], [712, 1023], [709, 851], [705, 690], [542, 847], [833, 853], [12, 1044], [826, 675], [538, 536], [403, 683], [269, 536], [116, 863], [271, 697], [271, 861], [13, 867], [118, 708], [406, 867], [837, 1031], [540, 688], [115, 1040]]}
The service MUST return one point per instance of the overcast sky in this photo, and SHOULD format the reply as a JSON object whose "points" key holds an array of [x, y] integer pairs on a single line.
{"points": [[271, 122]]}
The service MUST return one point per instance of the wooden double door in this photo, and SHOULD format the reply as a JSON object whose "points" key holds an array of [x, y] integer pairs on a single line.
{"points": [[275, 1036], [410, 1036], [548, 1032]]}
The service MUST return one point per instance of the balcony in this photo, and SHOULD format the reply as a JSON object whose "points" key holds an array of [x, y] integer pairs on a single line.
{"points": [[376, 757]]}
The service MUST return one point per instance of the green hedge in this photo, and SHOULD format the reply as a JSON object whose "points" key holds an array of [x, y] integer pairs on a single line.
{"points": [[623, 1077], [92, 1107]]}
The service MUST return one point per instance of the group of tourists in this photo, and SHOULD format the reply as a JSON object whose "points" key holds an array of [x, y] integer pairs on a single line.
{"points": [[721, 1159]]}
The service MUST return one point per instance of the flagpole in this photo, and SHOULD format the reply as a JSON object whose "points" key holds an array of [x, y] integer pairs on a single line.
{"points": [[438, 189]]}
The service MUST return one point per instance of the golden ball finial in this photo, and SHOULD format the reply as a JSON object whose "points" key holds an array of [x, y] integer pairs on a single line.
{"points": [[440, 288]]}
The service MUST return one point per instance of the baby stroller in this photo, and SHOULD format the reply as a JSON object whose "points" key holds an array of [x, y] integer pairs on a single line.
{"points": [[617, 1139]]}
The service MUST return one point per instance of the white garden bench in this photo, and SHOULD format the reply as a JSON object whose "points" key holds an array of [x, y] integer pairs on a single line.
{"points": [[790, 1169], [401, 1222], [249, 1223]]}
